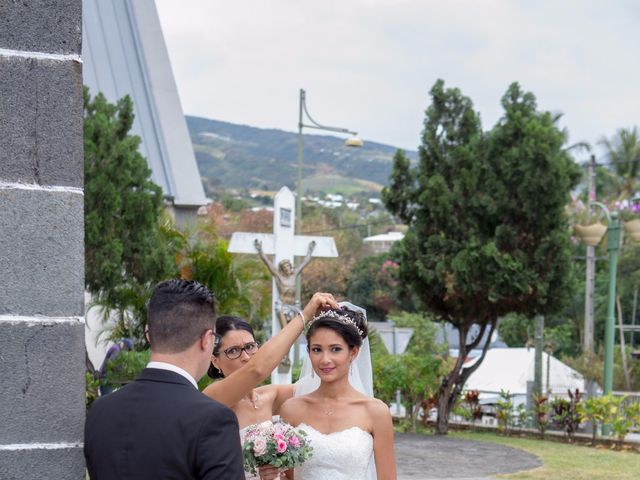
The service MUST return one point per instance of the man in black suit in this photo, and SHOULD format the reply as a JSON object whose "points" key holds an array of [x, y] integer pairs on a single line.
{"points": [[161, 426]]}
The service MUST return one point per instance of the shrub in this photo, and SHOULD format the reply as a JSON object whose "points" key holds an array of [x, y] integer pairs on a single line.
{"points": [[568, 414], [541, 413], [504, 412]]}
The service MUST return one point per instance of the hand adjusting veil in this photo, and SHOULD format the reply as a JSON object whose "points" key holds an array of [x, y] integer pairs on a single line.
{"points": [[360, 373]]}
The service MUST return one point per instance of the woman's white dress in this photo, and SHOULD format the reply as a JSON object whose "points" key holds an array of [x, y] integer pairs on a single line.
{"points": [[343, 455], [247, 475]]}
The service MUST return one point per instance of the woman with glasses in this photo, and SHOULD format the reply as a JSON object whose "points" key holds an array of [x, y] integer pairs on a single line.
{"points": [[237, 346], [242, 366]]}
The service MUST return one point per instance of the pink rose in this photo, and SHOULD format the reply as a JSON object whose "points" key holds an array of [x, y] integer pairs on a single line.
{"points": [[280, 428], [278, 436], [281, 446], [294, 441], [259, 446]]}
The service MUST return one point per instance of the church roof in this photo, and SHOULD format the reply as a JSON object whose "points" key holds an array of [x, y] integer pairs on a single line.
{"points": [[124, 52]]}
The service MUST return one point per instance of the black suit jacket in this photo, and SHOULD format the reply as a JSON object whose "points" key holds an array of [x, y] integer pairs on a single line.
{"points": [[161, 427]]}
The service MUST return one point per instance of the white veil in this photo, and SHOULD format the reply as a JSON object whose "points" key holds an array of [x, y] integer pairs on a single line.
{"points": [[360, 375]]}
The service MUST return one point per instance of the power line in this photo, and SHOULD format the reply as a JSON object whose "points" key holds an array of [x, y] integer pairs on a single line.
{"points": [[347, 227], [612, 162]]}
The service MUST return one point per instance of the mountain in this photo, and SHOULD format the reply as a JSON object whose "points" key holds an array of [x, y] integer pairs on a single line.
{"points": [[239, 156]]}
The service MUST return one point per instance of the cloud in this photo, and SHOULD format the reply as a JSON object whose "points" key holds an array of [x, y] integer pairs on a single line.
{"points": [[368, 64]]}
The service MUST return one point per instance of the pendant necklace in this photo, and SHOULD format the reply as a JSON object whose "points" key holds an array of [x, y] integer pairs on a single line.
{"points": [[253, 400]]}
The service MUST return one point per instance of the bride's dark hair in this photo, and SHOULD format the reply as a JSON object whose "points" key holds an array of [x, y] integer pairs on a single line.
{"points": [[350, 325]]}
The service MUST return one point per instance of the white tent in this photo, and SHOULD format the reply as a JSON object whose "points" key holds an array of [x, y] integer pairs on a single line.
{"points": [[512, 368]]}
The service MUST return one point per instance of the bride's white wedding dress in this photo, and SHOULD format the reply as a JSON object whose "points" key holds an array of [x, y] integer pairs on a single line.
{"points": [[243, 432], [343, 455]]}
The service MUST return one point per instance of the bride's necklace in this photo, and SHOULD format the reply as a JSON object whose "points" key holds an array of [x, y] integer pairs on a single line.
{"points": [[253, 398], [327, 410]]}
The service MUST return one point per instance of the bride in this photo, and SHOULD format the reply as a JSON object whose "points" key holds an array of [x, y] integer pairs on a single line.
{"points": [[350, 431], [242, 366]]}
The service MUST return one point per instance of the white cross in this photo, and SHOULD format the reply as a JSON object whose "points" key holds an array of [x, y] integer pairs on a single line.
{"points": [[284, 245]]}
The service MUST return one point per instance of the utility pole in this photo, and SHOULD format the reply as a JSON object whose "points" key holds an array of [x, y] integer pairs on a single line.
{"points": [[587, 343], [537, 364]]}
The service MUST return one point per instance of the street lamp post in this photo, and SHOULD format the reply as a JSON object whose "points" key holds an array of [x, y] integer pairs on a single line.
{"points": [[352, 141], [613, 247]]}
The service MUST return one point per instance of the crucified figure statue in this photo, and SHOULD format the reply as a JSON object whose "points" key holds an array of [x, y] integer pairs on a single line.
{"points": [[285, 276]]}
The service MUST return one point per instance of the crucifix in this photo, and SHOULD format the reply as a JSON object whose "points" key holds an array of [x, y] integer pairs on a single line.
{"points": [[284, 245]]}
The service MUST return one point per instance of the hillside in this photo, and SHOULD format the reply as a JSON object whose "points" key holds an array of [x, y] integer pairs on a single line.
{"points": [[239, 156]]}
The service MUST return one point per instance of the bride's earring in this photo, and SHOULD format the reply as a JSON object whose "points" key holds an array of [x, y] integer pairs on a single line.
{"points": [[351, 369], [312, 373]]}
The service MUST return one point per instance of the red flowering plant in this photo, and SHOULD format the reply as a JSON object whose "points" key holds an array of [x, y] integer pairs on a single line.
{"points": [[277, 444]]}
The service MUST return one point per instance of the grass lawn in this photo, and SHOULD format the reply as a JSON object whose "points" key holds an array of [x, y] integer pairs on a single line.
{"points": [[562, 461]]}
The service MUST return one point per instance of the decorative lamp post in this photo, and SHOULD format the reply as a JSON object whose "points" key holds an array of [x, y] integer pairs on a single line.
{"points": [[632, 228], [303, 116], [592, 235], [613, 247]]}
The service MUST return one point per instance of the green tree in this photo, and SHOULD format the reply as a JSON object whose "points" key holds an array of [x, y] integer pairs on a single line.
{"points": [[125, 251], [515, 330], [416, 372], [487, 235], [240, 283], [373, 285], [623, 153]]}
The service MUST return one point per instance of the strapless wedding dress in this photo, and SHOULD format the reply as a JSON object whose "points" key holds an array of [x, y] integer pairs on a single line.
{"points": [[343, 455], [247, 475]]}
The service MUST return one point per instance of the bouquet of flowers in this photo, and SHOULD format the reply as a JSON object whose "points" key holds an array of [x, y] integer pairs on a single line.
{"points": [[278, 444]]}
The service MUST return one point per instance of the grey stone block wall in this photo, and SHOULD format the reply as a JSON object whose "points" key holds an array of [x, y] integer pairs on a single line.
{"points": [[42, 239], [41, 141], [58, 464], [41, 26], [42, 354], [42, 390]]}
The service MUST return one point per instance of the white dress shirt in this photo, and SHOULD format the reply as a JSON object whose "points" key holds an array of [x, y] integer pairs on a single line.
{"points": [[173, 368]]}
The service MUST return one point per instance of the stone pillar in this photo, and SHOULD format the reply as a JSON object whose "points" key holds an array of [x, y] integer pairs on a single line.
{"points": [[41, 241]]}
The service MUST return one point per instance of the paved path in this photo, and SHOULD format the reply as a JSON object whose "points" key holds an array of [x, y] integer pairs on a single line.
{"points": [[427, 457]]}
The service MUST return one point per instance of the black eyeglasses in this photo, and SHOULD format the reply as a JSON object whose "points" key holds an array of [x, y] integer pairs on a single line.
{"points": [[216, 338], [236, 351]]}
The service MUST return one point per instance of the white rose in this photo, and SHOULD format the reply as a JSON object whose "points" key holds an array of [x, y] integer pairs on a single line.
{"points": [[259, 447]]}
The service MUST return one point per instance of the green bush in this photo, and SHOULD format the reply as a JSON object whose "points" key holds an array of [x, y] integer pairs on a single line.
{"points": [[568, 414], [125, 367], [504, 412]]}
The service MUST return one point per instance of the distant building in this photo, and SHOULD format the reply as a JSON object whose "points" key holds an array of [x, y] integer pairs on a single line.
{"points": [[449, 335], [382, 243], [512, 370], [124, 52]]}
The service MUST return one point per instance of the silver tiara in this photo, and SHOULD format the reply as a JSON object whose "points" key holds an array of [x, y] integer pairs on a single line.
{"points": [[345, 319]]}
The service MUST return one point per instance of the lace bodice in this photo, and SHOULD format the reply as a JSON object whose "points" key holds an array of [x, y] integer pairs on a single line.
{"points": [[343, 455]]}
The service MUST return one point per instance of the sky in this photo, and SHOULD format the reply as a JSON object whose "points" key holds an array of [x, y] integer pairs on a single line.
{"points": [[368, 65]]}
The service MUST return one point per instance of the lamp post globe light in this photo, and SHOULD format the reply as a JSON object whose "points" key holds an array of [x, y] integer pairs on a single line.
{"points": [[303, 116], [613, 248]]}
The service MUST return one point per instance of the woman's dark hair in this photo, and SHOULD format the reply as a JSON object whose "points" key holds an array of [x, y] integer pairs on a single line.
{"points": [[224, 324], [353, 332]]}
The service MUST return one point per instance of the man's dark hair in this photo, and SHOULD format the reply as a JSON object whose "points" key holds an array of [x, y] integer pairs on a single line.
{"points": [[180, 311]]}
